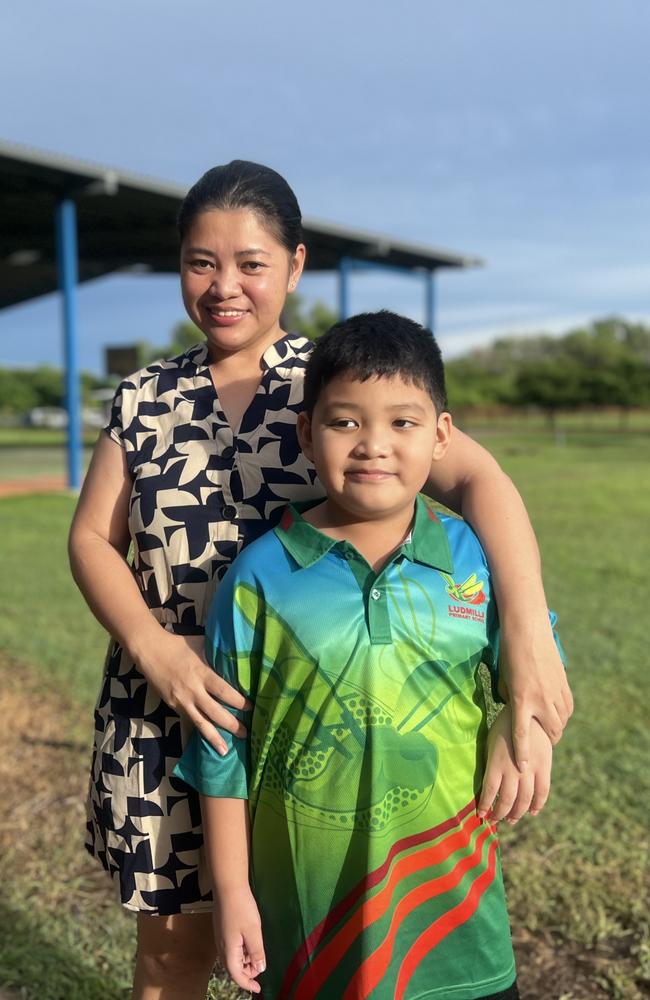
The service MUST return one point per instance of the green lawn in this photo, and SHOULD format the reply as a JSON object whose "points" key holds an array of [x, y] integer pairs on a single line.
{"points": [[577, 876]]}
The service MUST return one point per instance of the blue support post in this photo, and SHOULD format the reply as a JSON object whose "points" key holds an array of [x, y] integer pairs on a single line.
{"points": [[345, 266], [66, 250], [430, 301]]}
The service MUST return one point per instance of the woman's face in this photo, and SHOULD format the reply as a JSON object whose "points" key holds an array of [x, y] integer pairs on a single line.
{"points": [[235, 276]]}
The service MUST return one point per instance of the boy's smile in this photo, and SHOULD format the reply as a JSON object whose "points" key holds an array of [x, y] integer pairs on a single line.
{"points": [[373, 443]]}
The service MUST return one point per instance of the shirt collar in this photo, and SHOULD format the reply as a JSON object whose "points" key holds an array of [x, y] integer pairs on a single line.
{"points": [[277, 354], [427, 542]]}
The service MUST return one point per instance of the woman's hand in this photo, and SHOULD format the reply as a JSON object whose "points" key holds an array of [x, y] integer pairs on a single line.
{"points": [[238, 934], [516, 793], [470, 482], [536, 684], [177, 668]]}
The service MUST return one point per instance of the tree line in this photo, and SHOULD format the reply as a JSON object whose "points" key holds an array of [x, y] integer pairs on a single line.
{"points": [[604, 364]]}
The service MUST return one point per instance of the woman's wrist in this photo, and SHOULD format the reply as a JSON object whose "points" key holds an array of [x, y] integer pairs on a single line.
{"points": [[143, 644]]}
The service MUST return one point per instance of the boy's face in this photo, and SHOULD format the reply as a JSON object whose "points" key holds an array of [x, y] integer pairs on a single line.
{"points": [[373, 444]]}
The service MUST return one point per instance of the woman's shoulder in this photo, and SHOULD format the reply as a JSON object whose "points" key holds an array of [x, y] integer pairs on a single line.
{"points": [[166, 370], [291, 352]]}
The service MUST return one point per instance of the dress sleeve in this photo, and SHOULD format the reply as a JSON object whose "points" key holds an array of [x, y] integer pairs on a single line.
{"points": [[230, 640], [119, 420]]}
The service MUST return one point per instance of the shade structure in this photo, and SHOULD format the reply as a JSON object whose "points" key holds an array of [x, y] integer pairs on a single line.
{"points": [[66, 221], [127, 222]]}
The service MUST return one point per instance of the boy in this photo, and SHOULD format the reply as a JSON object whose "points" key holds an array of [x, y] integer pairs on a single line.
{"points": [[356, 628]]}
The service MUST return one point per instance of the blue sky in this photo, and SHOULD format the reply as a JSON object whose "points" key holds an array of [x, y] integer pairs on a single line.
{"points": [[514, 131]]}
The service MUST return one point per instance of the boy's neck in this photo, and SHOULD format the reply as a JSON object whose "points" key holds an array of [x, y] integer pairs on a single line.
{"points": [[375, 540]]}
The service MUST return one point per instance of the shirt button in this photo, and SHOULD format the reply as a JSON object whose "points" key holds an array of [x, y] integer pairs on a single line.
{"points": [[375, 594], [228, 452], [229, 512]]}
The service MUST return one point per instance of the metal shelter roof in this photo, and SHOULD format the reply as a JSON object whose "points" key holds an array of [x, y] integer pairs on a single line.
{"points": [[127, 222]]}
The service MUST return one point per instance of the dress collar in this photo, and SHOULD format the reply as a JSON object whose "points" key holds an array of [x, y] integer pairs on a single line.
{"points": [[276, 355]]}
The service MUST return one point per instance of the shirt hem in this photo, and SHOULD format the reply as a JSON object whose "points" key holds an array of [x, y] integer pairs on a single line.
{"points": [[473, 992]]}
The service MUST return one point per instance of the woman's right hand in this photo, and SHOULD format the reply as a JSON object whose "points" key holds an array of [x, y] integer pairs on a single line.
{"points": [[177, 668]]}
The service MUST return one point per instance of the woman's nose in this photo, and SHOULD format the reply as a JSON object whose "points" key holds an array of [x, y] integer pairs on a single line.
{"points": [[225, 284]]}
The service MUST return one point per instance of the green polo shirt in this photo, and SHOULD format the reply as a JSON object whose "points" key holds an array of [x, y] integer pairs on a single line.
{"points": [[373, 875]]}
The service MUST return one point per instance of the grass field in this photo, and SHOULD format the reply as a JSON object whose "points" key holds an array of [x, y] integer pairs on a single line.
{"points": [[577, 876]]}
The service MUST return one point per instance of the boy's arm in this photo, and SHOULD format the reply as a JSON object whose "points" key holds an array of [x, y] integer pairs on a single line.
{"points": [[469, 481], [507, 793], [237, 925]]}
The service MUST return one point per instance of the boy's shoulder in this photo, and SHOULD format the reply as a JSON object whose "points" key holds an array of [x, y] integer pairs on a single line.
{"points": [[464, 546], [259, 558]]}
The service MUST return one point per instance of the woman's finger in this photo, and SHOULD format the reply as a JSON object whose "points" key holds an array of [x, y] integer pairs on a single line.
{"points": [[211, 735], [219, 715], [221, 689], [521, 720]]}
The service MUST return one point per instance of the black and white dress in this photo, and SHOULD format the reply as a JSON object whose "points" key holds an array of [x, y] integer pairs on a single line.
{"points": [[200, 492]]}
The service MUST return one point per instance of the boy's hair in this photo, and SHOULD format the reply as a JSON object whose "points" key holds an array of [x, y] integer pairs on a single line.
{"points": [[374, 345]]}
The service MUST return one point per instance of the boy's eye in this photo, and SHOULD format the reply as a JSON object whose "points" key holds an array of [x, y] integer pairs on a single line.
{"points": [[403, 422], [343, 422]]}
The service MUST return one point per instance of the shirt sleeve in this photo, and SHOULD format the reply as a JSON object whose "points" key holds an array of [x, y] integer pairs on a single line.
{"points": [[229, 645]]}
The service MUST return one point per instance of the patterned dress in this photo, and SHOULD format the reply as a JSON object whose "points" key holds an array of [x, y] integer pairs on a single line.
{"points": [[200, 492]]}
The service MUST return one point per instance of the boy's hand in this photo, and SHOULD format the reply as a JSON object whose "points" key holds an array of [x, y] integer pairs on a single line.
{"points": [[516, 792], [238, 933], [536, 685]]}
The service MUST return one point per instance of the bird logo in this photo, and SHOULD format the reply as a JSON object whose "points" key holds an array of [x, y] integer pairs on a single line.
{"points": [[469, 592]]}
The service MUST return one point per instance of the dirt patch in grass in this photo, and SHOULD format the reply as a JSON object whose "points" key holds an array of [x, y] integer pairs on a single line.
{"points": [[52, 885]]}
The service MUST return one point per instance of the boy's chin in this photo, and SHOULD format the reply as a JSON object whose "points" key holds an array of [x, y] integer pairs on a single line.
{"points": [[374, 512]]}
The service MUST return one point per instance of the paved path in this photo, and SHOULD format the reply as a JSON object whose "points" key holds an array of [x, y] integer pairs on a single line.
{"points": [[38, 484]]}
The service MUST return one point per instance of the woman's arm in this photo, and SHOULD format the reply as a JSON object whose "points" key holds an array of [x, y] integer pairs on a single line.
{"points": [[98, 545], [469, 481], [237, 925]]}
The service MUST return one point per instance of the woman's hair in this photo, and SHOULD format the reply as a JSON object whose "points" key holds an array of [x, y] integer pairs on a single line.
{"points": [[242, 184]]}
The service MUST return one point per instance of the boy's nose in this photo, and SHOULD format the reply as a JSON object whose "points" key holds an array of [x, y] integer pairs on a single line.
{"points": [[372, 446]]}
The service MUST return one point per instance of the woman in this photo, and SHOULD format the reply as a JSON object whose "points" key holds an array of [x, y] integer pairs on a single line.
{"points": [[199, 457]]}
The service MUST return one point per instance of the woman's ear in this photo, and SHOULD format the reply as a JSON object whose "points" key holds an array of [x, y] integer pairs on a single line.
{"points": [[443, 436], [303, 428], [296, 265]]}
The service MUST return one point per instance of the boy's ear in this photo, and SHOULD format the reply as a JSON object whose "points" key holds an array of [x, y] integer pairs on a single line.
{"points": [[303, 428], [443, 436]]}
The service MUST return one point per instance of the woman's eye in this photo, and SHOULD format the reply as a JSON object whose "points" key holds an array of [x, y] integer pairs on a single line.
{"points": [[198, 264], [253, 265]]}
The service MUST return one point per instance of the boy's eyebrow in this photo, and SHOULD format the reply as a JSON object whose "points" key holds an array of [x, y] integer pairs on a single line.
{"points": [[345, 404]]}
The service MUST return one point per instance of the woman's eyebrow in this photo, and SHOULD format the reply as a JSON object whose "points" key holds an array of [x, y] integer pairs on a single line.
{"points": [[240, 253], [203, 250]]}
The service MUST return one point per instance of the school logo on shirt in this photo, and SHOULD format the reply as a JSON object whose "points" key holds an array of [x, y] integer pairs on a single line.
{"points": [[470, 592]]}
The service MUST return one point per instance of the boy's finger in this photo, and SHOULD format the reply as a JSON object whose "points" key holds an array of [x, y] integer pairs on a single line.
{"points": [[240, 972], [540, 796], [507, 795], [255, 950], [522, 801], [491, 784]]}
